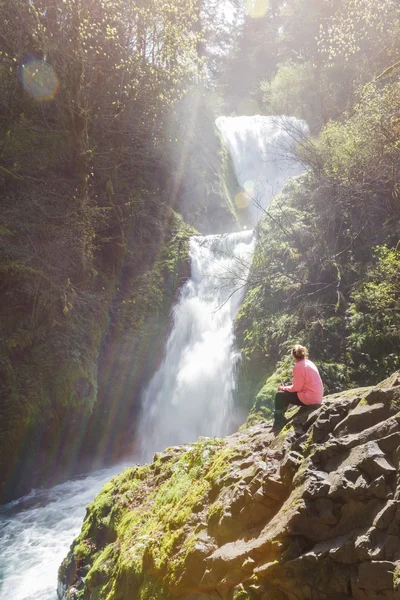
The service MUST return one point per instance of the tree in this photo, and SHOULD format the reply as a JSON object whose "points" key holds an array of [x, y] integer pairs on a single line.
{"points": [[358, 28], [374, 317], [295, 91], [82, 137], [253, 58]]}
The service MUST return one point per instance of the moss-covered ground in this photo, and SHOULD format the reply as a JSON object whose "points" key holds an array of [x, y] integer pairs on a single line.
{"points": [[142, 526]]}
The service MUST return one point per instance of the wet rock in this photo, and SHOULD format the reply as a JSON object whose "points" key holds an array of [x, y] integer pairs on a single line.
{"points": [[356, 514], [194, 565], [342, 549], [363, 416], [72, 594], [253, 514]]}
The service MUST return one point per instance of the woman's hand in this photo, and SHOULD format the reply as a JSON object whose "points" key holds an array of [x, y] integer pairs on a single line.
{"points": [[281, 388]]}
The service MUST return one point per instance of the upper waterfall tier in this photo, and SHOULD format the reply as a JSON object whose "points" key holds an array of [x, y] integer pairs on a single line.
{"points": [[262, 153]]}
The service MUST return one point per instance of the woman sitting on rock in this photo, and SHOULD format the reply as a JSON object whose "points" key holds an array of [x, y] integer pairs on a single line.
{"points": [[306, 388]]}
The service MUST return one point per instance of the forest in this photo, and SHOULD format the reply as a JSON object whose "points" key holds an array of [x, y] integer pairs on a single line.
{"points": [[111, 161]]}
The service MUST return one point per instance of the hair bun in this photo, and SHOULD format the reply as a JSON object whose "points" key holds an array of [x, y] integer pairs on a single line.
{"points": [[299, 351]]}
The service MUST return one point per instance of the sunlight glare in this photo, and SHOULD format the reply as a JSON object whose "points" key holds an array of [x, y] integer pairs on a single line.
{"points": [[242, 200], [257, 8]]}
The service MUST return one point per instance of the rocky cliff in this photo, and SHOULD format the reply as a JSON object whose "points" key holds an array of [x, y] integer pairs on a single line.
{"points": [[313, 513]]}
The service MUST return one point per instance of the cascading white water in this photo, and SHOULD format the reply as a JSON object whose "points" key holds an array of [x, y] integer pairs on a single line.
{"points": [[36, 532], [192, 392], [262, 153], [191, 395]]}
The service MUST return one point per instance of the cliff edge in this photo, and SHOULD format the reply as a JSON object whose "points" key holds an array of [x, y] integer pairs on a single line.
{"points": [[311, 514]]}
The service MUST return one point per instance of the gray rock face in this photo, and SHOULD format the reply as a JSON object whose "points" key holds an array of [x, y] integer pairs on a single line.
{"points": [[312, 514]]}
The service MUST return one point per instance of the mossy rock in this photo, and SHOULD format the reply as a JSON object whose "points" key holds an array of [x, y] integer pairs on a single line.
{"points": [[140, 531]]}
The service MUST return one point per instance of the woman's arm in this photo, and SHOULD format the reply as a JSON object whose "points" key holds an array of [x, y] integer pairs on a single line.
{"points": [[298, 380]]}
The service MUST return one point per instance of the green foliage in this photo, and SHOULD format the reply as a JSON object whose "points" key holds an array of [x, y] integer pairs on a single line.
{"points": [[374, 319], [381, 290], [360, 26], [311, 59], [294, 90], [263, 406], [84, 219], [336, 376], [348, 149], [311, 280]]}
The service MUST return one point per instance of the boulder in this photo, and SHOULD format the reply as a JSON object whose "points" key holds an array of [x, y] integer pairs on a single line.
{"points": [[310, 514]]}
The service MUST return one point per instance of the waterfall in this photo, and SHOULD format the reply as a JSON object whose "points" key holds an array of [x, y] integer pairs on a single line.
{"points": [[261, 149], [191, 394]]}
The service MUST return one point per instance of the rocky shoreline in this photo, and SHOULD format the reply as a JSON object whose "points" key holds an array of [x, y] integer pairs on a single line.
{"points": [[311, 514]]}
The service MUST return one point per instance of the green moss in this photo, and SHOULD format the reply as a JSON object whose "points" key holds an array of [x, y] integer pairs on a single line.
{"points": [[294, 499], [215, 511], [240, 593], [256, 416], [279, 441], [263, 406], [220, 462], [142, 526], [153, 291], [351, 393], [396, 577], [152, 590], [308, 444], [102, 567]]}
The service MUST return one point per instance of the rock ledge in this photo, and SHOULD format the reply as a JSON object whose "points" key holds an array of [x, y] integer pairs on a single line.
{"points": [[312, 514]]}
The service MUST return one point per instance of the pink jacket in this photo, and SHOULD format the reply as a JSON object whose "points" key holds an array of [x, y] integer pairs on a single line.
{"points": [[306, 382]]}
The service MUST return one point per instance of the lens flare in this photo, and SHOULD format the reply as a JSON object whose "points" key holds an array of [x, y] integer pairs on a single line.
{"points": [[257, 8], [242, 200], [39, 80], [249, 187]]}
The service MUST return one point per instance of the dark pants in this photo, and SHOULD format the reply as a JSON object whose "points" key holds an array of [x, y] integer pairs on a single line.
{"points": [[282, 401]]}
